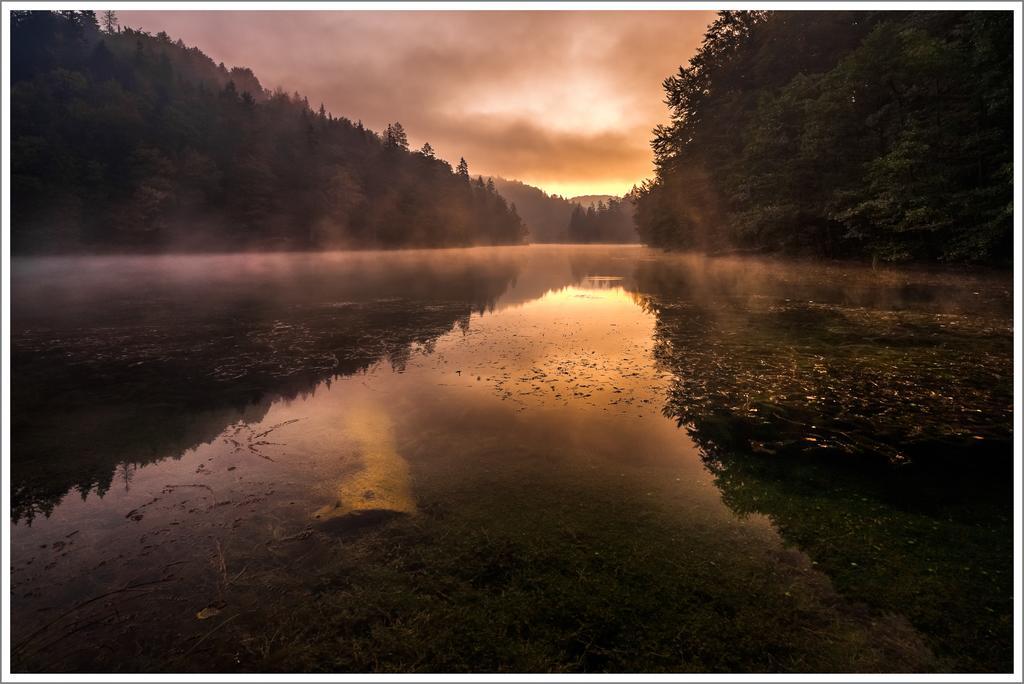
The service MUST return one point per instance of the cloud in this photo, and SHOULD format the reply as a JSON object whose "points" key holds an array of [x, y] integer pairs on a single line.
{"points": [[559, 99]]}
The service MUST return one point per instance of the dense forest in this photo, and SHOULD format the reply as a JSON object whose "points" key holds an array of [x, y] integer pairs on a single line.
{"points": [[870, 134], [123, 140], [604, 222]]}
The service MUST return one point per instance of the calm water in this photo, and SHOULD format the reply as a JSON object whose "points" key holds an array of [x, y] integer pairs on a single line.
{"points": [[515, 459]]}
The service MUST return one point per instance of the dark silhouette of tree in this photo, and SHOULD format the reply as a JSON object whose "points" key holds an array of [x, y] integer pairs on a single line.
{"points": [[109, 21], [603, 222], [127, 141], [841, 134], [395, 137], [427, 151], [462, 170]]}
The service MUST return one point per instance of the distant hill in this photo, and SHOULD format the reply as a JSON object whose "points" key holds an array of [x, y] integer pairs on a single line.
{"points": [[546, 216], [126, 141], [592, 200], [583, 219]]}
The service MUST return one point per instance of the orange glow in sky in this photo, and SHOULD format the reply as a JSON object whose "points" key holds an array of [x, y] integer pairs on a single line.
{"points": [[562, 100]]}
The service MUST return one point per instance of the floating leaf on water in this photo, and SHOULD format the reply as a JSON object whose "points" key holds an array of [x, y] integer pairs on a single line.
{"points": [[210, 611]]}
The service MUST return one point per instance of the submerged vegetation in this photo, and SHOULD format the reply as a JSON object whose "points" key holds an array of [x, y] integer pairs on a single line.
{"points": [[122, 140], [868, 134], [872, 428]]}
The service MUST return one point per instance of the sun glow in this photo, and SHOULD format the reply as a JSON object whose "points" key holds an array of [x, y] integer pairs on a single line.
{"points": [[564, 101], [617, 187]]}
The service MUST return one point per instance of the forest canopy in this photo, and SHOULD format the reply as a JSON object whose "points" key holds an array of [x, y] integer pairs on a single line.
{"points": [[870, 134], [610, 222], [122, 140]]}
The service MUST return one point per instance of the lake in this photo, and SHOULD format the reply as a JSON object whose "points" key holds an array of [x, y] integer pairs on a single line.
{"points": [[518, 459]]}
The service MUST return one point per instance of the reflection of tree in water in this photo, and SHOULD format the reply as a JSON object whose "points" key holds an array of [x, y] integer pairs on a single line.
{"points": [[128, 362], [124, 381], [601, 269], [877, 439]]}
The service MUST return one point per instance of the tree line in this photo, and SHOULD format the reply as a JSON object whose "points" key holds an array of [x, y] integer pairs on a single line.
{"points": [[553, 218], [610, 221], [122, 140], [869, 134]]}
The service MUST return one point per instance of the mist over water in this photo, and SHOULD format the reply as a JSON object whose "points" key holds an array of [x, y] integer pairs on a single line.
{"points": [[538, 458]]}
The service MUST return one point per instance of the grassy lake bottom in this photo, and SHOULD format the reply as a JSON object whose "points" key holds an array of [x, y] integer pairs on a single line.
{"points": [[536, 459]]}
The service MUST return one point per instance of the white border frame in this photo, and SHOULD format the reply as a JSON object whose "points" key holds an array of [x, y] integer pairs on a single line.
{"points": [[504, 5]]}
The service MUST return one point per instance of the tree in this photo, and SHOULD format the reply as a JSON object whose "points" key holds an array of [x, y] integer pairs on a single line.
{"points": [[839, 134], [395, 137], [126, 140], [612, 222], [462, 170], [427, 151], [576, 224], [109, 21]]}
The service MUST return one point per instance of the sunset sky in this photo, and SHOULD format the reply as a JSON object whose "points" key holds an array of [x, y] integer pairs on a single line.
{"points": [[562, 100]]}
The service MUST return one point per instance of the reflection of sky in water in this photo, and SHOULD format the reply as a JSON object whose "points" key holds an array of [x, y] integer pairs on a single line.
{"points": [[559, 376]]}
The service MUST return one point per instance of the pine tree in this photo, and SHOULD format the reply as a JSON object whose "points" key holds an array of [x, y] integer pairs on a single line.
{"points": [[395, 137], [109, 21]]}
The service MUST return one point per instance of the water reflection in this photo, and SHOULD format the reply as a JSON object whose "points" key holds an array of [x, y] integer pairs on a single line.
{"points": [[543, 458], [870, 421], [133, 359]]}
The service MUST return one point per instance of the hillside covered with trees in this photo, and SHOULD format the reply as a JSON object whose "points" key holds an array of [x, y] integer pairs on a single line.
{"points": [[584, 219], [869, 134], [123, 140], [546, 216], [591, 200]]}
